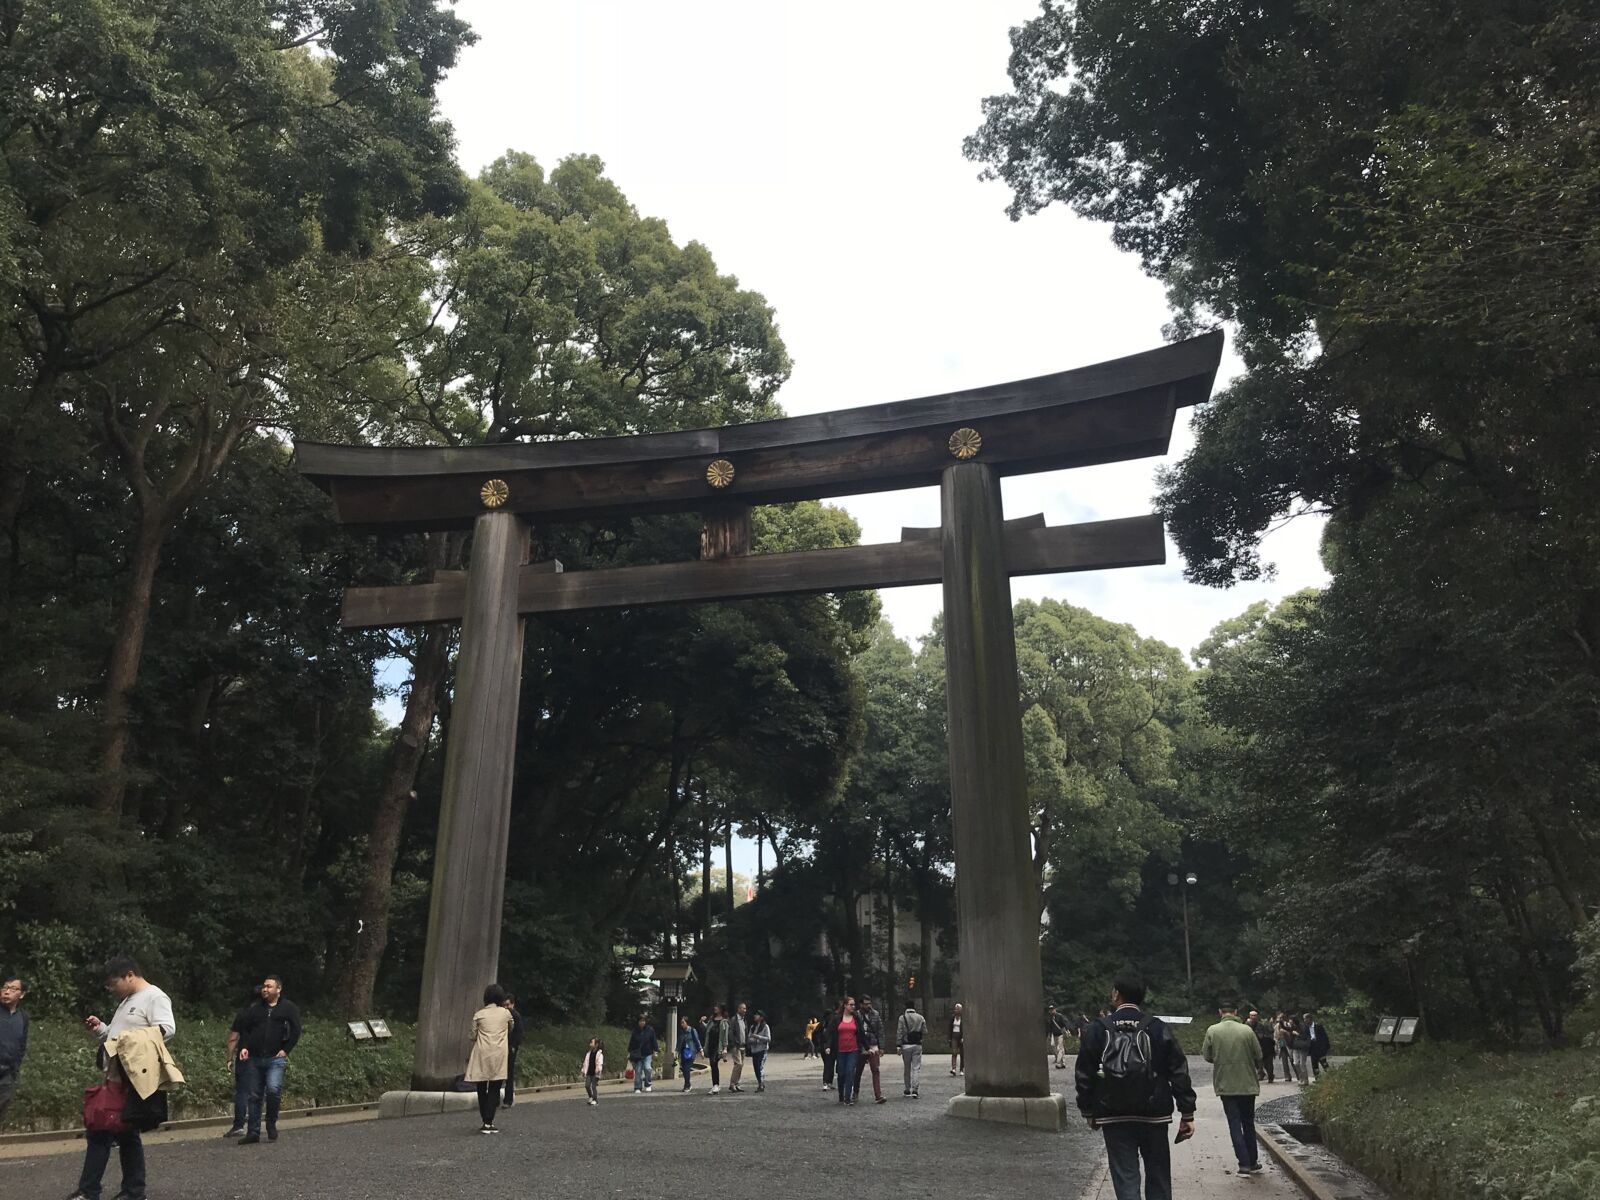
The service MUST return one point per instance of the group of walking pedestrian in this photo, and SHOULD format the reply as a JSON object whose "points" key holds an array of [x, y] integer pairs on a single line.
{"points": [[726, 1036], [850, 1042], [1302, 1045]]}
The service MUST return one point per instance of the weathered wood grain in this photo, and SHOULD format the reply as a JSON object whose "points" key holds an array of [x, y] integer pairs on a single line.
{"points": [[469, 875], [726, 531], [1030, 549], [997, 902], [913, 533]]}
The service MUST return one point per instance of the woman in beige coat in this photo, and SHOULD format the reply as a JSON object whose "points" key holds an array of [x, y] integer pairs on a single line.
{"points": [[491, 1052]]}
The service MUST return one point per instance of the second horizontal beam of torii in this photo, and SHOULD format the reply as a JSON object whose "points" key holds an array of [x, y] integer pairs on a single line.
{"points": [[1030, 549]]}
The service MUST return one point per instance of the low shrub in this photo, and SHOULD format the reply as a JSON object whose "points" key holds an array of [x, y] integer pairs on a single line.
{"points": [[328, 1067], [1446, 1122]]}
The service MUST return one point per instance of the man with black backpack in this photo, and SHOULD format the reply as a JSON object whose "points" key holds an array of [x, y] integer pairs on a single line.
{"points": [[1131, 1074]]}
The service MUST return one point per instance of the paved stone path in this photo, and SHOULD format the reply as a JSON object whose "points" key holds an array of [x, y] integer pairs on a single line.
{"points": [[794, 1142], [1204, 1167]]}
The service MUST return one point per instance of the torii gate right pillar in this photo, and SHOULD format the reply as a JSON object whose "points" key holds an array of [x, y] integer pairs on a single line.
{"points": [[997, 902]]}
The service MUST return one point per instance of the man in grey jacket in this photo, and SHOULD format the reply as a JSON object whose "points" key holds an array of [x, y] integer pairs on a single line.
{"points": [[908, 1036]]}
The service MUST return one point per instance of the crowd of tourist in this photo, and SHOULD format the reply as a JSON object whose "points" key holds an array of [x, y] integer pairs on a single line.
{"points": [[1131, 1076]]}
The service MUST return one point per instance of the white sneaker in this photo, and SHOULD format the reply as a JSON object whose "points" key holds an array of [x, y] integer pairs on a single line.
{"points": [[715, 1088], [594, 1103], [649, 1089]]}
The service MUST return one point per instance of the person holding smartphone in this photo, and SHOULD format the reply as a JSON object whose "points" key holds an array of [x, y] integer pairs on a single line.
{"points": [[1131, 1074], [140, 1005]]}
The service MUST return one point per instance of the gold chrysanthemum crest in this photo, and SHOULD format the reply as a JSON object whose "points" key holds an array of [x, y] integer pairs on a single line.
{"points": [[720, 473], [494, 493], [965, 443]]}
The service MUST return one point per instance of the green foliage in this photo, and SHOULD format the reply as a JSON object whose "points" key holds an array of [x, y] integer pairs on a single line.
{"points": [[328, 1067], [1395, 207], [1442, 1121]]}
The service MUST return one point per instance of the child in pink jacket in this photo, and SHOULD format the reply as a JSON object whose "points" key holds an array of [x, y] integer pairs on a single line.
{"points": [[593, 1066]]}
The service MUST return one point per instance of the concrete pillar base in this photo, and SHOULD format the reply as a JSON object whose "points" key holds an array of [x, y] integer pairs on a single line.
{"points": [[425, 1104], [1036, 1112]]}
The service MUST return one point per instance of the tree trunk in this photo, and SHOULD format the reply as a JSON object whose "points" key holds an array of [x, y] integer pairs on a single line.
{"points": [[891, 987], [429, 669], [1516, 921], [1571, 898], [1469, 967], [727, 864], [761, 863], [675, 942], [925, 978], [848, 900], [122, 668], [705, 870], [180, 798]]}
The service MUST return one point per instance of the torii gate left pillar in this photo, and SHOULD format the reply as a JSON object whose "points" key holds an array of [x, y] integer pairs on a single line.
{"points": [[469, 870]]}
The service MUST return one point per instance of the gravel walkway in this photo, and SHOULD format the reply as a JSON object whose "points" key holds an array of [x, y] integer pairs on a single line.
{"points": [[795, 1142]]}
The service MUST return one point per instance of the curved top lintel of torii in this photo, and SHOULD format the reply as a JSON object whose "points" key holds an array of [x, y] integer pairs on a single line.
{"points": [[1107, 412]]}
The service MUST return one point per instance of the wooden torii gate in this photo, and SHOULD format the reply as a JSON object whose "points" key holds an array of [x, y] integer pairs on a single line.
{"points": [[963, 441]]}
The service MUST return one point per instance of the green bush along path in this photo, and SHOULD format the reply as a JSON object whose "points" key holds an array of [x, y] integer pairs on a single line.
{"points": [[1449, 1122], [328, 1067]]}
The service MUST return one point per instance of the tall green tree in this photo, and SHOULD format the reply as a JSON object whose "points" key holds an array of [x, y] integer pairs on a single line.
{"points": [[190, 190], [555, 309], [1395, 207]]}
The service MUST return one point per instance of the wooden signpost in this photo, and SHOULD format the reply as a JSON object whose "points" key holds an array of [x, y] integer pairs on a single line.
{"points": [[963, 441]]}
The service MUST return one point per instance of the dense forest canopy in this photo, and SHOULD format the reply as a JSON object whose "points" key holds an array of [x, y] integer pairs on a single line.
{"points": [[226, 226]]}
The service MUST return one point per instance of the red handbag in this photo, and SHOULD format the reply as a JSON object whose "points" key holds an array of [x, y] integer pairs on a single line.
{"points": [[102, 1108]]}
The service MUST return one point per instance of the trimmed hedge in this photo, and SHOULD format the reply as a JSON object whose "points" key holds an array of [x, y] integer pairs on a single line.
{"points": [[328, 1067], [1446, 1122]]}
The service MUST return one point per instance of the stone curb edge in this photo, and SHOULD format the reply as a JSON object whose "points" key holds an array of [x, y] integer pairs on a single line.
{"points": [[325, 1110], [72, 1135], [1293, 1169]]}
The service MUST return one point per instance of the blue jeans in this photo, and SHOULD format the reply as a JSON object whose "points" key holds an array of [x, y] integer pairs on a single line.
{"points": [[98, 1153], [846, 1070], [758, 1060], [641, 1073], [266, 1082], [1241, 1112], [687, 1063], [241, 1095], [1127, 1142]]}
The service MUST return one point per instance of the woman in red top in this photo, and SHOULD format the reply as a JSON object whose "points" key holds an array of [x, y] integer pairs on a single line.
{"points": [[847, 1049]]}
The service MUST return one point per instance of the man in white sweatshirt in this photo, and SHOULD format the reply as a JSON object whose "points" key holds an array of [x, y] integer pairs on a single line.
{"points": [[141, 1005]]}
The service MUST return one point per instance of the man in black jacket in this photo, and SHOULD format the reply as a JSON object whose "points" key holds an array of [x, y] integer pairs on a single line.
{"points": [[1319, 1044], [1131, 1073], [513, 1044], [13, 1038], [642, 1053], [267, 1036], [824, 1039]]}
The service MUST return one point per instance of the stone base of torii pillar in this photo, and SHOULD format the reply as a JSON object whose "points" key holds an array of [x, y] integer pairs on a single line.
{"points": [[997, 901]]}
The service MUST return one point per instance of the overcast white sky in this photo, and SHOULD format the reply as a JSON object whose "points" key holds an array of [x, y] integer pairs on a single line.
{"points": [[815, 148]]}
